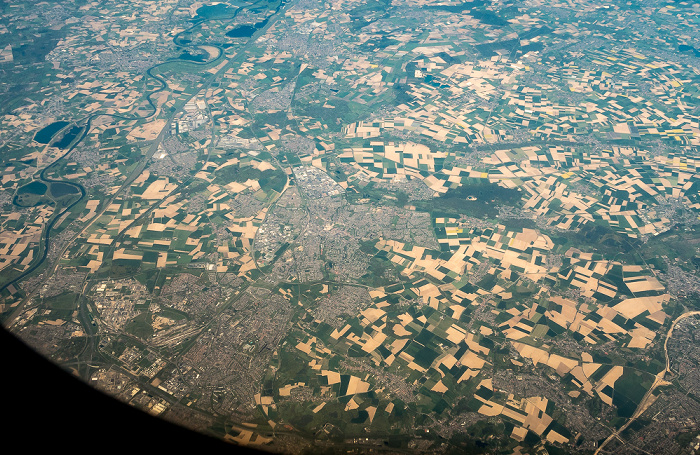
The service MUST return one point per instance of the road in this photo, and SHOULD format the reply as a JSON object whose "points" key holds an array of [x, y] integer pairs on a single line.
{"points": [[240, 54], [649, 397]]}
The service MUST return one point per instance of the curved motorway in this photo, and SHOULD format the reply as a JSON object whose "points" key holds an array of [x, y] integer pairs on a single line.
{"points": [[649, 397]]}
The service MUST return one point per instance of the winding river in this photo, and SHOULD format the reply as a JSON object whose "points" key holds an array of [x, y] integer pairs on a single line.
{"points": [[178, 41]]}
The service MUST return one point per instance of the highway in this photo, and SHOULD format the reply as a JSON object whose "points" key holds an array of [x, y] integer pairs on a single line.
{"points": [[240, 53], [649, 397]]}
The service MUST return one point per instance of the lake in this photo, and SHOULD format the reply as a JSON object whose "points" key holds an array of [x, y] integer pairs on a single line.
{"points": [[35, 187], [67, 138], [44, 135], [243, 31], [59, 189], [212, 11]]}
